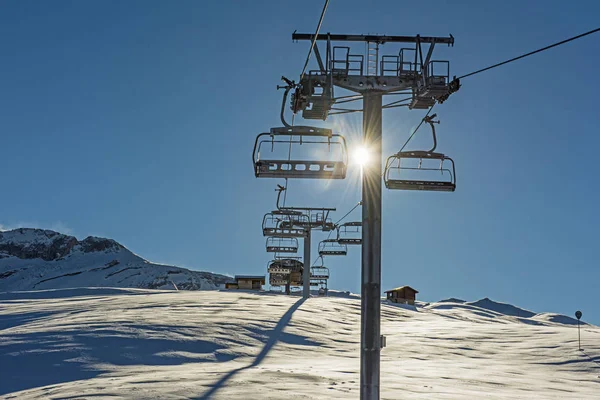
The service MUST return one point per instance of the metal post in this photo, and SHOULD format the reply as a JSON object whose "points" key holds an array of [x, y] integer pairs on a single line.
{"points": [[578, 335], [371, 249], [306, 271]]}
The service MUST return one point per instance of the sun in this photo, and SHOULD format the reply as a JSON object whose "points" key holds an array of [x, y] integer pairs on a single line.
{"points": [[361, 156]]}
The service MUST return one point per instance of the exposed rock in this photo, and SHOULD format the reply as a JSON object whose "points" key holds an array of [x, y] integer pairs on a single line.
{"points": [[91, 244], [29, 243]]}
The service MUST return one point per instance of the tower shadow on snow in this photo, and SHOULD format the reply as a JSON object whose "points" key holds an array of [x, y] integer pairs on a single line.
{"points": [[274, 337]]}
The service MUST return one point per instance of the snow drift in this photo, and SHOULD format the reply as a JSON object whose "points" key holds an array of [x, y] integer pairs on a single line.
{"points": [[141, 344]]}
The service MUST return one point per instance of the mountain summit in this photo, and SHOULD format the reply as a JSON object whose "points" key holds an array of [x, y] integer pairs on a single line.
{"points": [[33, 259]]}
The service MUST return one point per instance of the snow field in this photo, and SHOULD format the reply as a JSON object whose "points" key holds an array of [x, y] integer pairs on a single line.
{"points": [[141, 344]]}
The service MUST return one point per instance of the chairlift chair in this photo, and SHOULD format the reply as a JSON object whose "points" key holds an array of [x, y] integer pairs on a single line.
{"points": [[278, 226], [321, 283], [282, 245], [275, 281], [331, 247], [350, 233], [394, 163], [280, 270], [402, 180], [319, 273], [295, 220], [316, 219], [321, 219], [268, 166], [285, 265]]}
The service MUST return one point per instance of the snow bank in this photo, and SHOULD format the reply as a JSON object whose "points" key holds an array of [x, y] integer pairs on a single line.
{"points": [[502, 308], [227, 345]]}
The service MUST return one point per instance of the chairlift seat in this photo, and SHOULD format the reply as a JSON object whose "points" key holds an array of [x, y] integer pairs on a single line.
{"points": [[300, 169], [333, 252], [284, 232], [351, 241], [433, 186], [281, 249], [279, 270]]}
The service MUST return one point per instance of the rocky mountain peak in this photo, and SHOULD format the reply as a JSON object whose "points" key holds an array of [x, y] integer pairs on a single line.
{"points": [[30, 243]]}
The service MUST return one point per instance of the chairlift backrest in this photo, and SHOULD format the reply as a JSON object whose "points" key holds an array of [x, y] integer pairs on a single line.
{"points": [[279, 226]]}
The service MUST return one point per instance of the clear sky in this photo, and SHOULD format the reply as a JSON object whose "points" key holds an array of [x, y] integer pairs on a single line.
{"points": [[135, 120]]}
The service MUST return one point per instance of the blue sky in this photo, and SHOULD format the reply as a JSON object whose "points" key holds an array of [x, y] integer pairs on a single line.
{"points": [[135, 120]]}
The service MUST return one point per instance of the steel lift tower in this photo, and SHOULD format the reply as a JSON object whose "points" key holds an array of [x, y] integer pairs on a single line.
{"points": [[372, 77]]}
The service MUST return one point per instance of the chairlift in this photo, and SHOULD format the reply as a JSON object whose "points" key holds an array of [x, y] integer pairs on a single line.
{"points": [[331, 247], [350, 233], [295, 220], [275, 281], [316, 219], [281, 265], [322, 220], [319, 273], [303, 217], [279, 226], [282, 245], [273, 152], [399, 176], [280, 270]]}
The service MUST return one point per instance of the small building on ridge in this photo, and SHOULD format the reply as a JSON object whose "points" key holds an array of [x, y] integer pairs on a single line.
{"points": [[402, 294], [247, 282]]}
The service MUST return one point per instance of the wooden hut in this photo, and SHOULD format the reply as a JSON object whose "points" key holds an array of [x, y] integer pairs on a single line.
{"points": [[247, 282], [403, 294]]}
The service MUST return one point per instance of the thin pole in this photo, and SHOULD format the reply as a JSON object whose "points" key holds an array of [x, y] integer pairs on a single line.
{"points": [[579, 335], [371, 250], [306, 271]]}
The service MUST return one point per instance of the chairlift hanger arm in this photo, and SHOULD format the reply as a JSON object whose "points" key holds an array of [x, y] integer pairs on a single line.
{"points": [[375, 38], [287, 88], [281, 189]]}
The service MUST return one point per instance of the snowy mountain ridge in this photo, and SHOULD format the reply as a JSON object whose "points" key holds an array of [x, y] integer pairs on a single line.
{"points": [[32, 259]]}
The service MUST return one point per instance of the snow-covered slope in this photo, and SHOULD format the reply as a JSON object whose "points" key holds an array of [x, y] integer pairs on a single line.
{"points": [[32, 259], [141, 344]]}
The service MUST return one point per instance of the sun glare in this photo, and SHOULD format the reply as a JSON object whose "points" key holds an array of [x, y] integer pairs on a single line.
{"points": [[361, 156]]}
